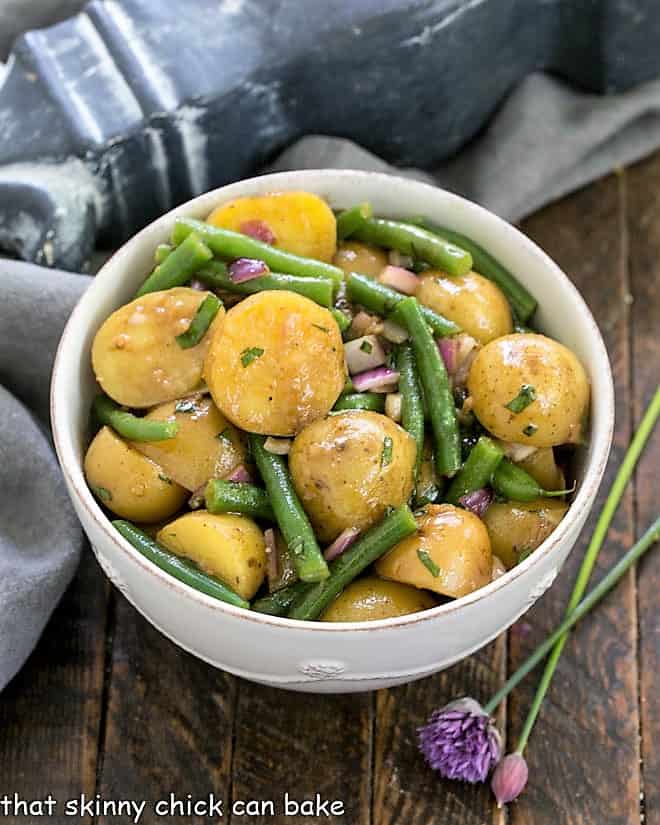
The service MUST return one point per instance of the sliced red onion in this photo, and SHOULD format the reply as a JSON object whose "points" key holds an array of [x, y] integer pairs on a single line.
{"points": [[449, 350], [403, 280], [259, 230], [467, 352], [272, 556], [394, 333], [341, 543], [477, 501], [240, 474], [278, 446], [516, 452], [364, 353], [245, 269], [376, 380], [393, 403], [397, 258]]}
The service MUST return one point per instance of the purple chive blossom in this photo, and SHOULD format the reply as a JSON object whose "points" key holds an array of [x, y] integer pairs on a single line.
{"points": [[509, 779], [460, 741]]}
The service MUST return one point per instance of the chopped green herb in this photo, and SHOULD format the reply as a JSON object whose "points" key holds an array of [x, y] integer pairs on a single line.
{"points": [[185, 406], [524, 553], [250, 354], [101, 492], [323, 329], [225, 435], [525, 396], [366, 346], [386, 454], [200, 324], [530, 429], [164, 478], [427, 561]]}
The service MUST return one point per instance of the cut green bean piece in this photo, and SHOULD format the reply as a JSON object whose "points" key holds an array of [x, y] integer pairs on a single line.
{"points": [[181, 569], [232, 245], [317, 289], [412, 406], [371, 546], [178, 267], [373, 401], [129, 426], [199, 325], [237, 497], [417, 242], [162, 251], [515, 484], [343, 320], [351, 219], [477, 472], [438, 394], [361, 289], [278, 603], [289, 513]]}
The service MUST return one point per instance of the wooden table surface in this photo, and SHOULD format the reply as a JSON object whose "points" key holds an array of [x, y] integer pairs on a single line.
{"points": [[106, 705]]}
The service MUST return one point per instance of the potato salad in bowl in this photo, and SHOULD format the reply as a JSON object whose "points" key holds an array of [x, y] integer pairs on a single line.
{"points": [[331, 416]]}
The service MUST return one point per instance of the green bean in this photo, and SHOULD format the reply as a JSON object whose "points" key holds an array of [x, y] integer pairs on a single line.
{"points": [[477, 471], [129, 426], [199, 325], [351, 219], [515, 484], [343, 320], [162, 251], [412, 407], [373, 401], [523, 303], [320, 290], [178, 267], [438, 395], [232, 245], [181, 569], [237, 497], [277, 604], [417, 242], [378, 540], [361, 289], [289, 513]]}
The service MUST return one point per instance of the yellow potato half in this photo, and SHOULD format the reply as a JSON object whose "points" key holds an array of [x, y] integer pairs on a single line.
{"points": [[276, 364], [302, 222], [506, 367], [231, 548], [349, 468], [450, 554], [136, 357], [353, 256], [516, 528], [371, 598], [542, 468], [128, 483], [206, 446], [472, 301]]}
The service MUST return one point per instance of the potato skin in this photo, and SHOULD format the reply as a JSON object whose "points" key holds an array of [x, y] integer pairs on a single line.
{"points": [[134, 487], [456, 540], [336, 467], [476, 304], [302, 222], [231, 548], [294, 381], [516, 526], [371, 598], [206, 446], [135, 356], [353, 256], [542, 468], [500, 370]]}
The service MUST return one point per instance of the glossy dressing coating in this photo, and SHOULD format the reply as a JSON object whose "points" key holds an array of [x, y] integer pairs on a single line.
{"points": [[561, 389], [516, 528], [136, 357], [372, 598], [276, 364], [344, 473], [206, 445], [353, 256]]}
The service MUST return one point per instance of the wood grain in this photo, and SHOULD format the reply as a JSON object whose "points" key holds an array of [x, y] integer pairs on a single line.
{"points": [[644, 232], [50, 713], [583, 755]]}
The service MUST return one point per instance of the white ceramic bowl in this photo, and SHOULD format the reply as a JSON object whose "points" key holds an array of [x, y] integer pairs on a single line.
{"points": [[313, 656]]}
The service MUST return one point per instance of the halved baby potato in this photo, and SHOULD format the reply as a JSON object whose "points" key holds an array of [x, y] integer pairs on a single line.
{"points": [[517, 528], [353, 256], [276, 364], [450, 554], [206, 446], [231, 548], [371, 598], [301, 222], [128, 483], [135, 354], [543, 469]]}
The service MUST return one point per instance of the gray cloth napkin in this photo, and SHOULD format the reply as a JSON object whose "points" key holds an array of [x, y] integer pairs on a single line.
{"points": [[546, 140]]}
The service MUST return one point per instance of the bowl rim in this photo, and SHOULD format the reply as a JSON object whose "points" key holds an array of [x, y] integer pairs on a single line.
{"points": [[580, 506]]}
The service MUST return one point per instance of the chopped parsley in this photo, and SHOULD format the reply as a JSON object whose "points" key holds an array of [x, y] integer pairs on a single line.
{"points": [[524, 553], [101, 492], [530, 429], [250, 354], [225, 435], [185, 406], [427, 561], [164, 478], [366, 346], [525, 396], [323, 329], [386, 454]]}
